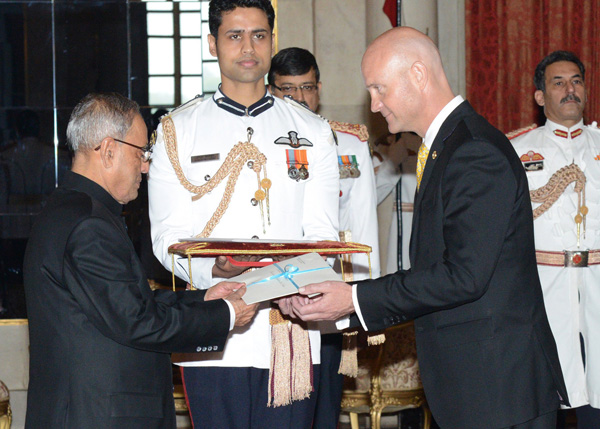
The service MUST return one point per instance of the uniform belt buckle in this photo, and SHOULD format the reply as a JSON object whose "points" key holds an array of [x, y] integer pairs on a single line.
{"points": [[576, 258]]}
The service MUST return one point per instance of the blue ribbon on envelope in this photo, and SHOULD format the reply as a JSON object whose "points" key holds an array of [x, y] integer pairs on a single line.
{"points": [[288, 272]]}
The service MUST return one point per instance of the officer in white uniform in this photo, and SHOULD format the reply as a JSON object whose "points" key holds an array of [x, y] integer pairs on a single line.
{"points": [[395, 162], [295, 73], [301, 203], [570, 227]]}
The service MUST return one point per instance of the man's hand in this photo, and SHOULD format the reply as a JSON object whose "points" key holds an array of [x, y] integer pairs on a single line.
{"points": [[222, 290], [225, 269], [334, 302], [233, 292], [285, 306], [243, 312]]}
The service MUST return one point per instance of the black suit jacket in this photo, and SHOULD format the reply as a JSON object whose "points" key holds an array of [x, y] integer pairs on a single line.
{"points": [[486, 353], [100, 338]]}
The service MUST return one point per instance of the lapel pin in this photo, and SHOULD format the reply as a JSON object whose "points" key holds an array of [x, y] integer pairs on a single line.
{"points": [[434, 155]]}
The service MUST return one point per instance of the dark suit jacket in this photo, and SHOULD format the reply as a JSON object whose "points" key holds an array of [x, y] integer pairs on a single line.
{"points": [[486, 353], [100, 338]]}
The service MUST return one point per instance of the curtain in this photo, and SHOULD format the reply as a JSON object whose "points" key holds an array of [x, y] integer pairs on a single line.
{"points": [[506, 39], [390, 8]]}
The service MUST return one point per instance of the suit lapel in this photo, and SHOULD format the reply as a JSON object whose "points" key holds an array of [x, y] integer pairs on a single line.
{"points": [[437, 147]]}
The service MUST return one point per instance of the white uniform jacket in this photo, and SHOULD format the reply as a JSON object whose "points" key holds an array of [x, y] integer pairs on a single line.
{"points": [[358, 204], [571, 295], [299, 209], [388, 177]]}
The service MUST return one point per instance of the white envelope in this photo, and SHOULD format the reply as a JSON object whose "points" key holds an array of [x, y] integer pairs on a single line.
{"points": [[285, 277]]}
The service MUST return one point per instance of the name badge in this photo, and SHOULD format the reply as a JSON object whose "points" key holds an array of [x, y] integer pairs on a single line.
{"points": [[202, 158]]}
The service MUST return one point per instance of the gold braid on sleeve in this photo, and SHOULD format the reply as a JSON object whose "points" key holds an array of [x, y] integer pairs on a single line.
{"points": [[232, 167]]}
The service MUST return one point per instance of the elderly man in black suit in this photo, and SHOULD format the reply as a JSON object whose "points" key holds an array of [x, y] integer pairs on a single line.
{"points": [[486, 352], [100, 338]]}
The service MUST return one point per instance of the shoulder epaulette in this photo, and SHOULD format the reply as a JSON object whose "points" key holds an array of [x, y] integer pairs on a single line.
{"points": [[197, 99], [516, 133], [593, 125], [303, 107], [357, 130]]}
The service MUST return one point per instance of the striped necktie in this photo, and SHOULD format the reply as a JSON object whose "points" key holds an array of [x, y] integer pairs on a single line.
{"points": [[421, 160]]}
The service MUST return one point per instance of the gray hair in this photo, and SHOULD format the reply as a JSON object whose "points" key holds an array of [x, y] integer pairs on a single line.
{"points": [[98, 116]]}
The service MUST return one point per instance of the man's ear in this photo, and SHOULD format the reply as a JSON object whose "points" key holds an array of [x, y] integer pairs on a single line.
{"points": [[107, 152], [212, 45], [539, 97], [420, 74], [319, 88]]}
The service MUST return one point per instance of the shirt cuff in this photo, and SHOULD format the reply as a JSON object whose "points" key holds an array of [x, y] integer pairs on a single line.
{"points": [[357, 307], [231, 314], [342, 323], [345, 322]]}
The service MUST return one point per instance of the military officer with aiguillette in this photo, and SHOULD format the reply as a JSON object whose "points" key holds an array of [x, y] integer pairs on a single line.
{"points": [[282, 160], [562, 160]]}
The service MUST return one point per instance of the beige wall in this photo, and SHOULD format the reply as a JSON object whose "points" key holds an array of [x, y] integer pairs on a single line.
{"points": [[338, 32]]}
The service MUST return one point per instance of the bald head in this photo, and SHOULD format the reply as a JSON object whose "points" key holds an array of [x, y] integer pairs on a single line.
{"points": [[402, 46], [403, 72]]}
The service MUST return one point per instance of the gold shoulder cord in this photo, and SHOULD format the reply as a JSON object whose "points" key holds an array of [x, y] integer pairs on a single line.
{"points": [[357, 130], [232, 167], [551, 191]]}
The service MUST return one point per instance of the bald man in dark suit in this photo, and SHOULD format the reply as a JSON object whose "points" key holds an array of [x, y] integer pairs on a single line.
{"points": [[486, 353]]}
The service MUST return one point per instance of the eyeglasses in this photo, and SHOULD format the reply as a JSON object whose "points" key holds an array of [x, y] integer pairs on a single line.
{"points": [[289, 89], [146, 150]]}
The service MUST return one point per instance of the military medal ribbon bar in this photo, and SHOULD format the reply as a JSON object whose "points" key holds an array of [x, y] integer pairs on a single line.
{"points": [[297, 161]]}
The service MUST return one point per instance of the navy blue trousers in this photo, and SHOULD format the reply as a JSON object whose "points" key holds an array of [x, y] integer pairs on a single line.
{"points": [[329, 400], [236, 398], [588, 417]]}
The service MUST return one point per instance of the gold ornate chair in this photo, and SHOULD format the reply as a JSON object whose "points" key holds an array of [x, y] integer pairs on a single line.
{"points": [[5, 413], [388, 379], [14, 367]]}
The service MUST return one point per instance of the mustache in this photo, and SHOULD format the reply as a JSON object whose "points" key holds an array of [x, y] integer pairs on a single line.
{"points": [[570, 97]]}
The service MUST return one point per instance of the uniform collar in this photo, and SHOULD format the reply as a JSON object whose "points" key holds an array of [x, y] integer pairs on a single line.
{"points": [[80, 183], [238, 109], [564, 132]]}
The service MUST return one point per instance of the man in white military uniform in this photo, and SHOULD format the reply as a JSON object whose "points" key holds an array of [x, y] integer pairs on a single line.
{"points": [[567, 234], [294, 198], [294, 72]]}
